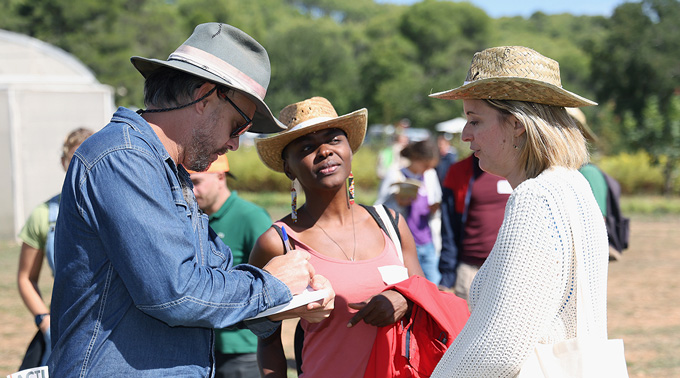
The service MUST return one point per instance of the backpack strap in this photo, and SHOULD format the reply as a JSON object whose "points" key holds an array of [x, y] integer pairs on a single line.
{"points": [[278, 231], [53, 213], [389, 224]]}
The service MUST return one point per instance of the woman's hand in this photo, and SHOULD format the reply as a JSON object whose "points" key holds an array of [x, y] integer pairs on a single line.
{"points": [[381, 310]]}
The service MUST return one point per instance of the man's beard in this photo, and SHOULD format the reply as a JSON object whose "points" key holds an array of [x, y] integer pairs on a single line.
{"points": [[198, 151]]}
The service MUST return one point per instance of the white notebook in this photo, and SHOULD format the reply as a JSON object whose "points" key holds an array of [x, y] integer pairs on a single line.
{"points": [[307, 296]]}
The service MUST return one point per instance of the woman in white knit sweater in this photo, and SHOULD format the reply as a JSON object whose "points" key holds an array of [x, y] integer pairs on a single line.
{"points": [[524, 294]]}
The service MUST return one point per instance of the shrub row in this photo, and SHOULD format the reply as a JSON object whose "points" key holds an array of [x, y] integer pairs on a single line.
{"points": [[252, 175], [636, 173]]}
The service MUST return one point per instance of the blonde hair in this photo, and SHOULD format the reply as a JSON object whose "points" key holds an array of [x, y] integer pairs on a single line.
{"points": [[75, 138], [552, 136]]}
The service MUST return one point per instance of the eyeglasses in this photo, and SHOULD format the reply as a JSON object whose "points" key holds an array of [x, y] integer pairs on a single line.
{"points": [[222, 92]]}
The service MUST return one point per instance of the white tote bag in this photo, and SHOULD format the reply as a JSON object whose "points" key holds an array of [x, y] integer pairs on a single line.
{"points": [[583, 356]]}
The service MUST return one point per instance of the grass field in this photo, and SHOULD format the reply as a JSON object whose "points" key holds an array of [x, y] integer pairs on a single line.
{"points": [[644, 306]]}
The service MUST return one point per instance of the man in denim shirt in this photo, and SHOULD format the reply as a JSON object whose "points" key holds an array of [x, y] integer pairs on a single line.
{"points": [[142, 280]]}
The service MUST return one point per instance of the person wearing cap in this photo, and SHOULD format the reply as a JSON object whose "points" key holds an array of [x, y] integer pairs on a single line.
{"points": [[238, 223], [346, 243], [141, 279], [525, 292]]}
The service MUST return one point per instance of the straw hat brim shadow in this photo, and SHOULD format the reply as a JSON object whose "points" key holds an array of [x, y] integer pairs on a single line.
{"points": [[515, 88], [353, 124]]}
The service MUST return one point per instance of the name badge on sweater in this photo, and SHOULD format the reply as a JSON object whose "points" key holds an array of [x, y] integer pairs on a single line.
{"points": [[503, 187]]}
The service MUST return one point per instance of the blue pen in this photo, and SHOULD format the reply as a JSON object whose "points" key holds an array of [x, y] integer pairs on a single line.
{"points": [[286, 241]]}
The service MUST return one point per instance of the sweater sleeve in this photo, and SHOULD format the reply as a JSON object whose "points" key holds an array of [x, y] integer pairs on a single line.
{"points": [[518, 292]]}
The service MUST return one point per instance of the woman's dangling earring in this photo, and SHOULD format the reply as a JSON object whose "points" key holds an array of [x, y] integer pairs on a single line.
{"points": [[350, 188], [293, 201]]}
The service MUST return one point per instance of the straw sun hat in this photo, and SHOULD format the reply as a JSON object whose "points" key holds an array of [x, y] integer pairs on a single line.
{"points": [[306, 117], [514, 73]]}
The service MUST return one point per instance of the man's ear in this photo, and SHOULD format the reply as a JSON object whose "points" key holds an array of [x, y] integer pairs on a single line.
{"points": [[200, 92]]}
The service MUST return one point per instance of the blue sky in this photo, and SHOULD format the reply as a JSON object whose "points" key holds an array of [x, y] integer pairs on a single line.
{"points": [[503, 8]]}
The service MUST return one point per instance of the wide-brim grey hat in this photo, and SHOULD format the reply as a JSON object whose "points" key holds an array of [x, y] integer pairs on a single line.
{"points": [[514, 73], [224, 55]]}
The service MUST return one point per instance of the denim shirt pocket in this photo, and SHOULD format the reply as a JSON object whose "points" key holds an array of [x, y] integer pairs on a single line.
{"points": [[217, 252], [206, 251]]}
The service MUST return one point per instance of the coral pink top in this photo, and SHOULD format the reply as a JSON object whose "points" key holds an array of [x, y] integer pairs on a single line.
{"points": [[330, 348]]}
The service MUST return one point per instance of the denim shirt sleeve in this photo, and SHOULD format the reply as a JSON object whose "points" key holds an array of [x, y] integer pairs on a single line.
{"points": [[158, 248]]}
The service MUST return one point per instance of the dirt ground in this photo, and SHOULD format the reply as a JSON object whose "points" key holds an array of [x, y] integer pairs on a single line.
{"points": [[644, 305]]}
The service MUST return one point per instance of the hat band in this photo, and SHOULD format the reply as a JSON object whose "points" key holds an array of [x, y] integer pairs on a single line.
{"points": [[216, 66], [310, 122], [472, 81]]}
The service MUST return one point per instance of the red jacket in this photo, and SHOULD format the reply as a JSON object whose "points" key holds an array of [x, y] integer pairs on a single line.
{"points": [[412, 347]]}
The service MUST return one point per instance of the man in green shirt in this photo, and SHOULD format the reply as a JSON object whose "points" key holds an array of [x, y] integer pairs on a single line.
{"points": [[598, 184], [238, 223]]}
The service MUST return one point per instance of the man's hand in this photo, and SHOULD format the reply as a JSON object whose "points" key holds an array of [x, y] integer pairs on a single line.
{"points": [[313, 312], [382, 310], [293, 269]]}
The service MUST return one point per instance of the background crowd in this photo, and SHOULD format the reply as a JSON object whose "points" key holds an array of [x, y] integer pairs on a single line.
{"points": [[452, 208], [385, 57]]}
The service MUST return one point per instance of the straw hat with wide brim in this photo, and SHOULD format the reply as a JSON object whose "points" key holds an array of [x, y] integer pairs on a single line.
{"points": [[514, 73], [225, 55], [306, 117]]}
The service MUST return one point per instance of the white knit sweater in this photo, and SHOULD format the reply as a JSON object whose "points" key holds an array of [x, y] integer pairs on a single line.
{"points": [[524, 293]]}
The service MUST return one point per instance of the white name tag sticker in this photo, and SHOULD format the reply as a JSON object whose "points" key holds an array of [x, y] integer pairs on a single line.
{"points": [[392, 274], [38, 372], [503, 187]]}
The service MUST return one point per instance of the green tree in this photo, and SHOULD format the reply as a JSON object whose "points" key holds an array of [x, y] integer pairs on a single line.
{"points": [[341, 11], [103, 35], [637, 67], [445, 35], [257, 18], [312, 57], [386, 58], [658, 125]]}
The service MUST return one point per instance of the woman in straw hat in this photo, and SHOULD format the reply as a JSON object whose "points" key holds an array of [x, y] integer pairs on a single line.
{"points": [[524, 294], [342, 237]]}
